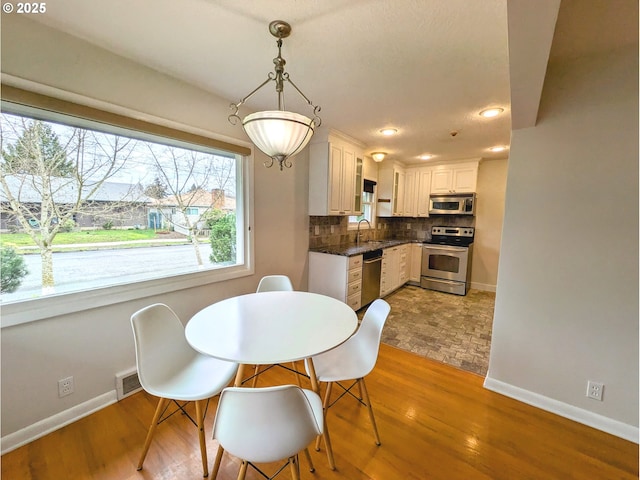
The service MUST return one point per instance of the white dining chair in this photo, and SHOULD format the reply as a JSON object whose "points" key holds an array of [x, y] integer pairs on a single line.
{"points": [[354, 360], [171, 370], [275, 283], [263, 425]]}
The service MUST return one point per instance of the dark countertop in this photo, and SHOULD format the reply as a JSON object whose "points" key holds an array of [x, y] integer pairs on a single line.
{"points": [[351, 249]]}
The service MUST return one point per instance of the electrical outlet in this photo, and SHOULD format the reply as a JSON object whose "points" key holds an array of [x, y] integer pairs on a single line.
{"points": [[333, 229], [316, 229], [408, 226], [595, 390], [65, 387]]}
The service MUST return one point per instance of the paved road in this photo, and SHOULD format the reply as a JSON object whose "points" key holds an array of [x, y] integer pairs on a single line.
{"points": [[101, 267]]}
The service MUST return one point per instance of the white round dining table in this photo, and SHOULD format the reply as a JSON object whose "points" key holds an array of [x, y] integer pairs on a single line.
{"points": [[270, 328]]}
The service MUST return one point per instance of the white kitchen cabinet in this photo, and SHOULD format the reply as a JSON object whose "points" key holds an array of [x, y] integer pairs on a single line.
{"points": [[333, 180], [415, 263], [396, 268], [455, 178], [423, 191], [391, 180], [404, 263], [358, 207], [336, 276], [390, 270], [410, 191], [404, 192]]}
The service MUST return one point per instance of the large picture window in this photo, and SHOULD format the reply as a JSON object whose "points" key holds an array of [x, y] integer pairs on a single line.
{"points": [[86, 206]]}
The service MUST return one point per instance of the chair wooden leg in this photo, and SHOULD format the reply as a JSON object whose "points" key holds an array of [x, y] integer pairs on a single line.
{"points": [[294, 466], [243, 470], [325, 405], [328, 447], [217, 462], [162, 403], [203, 442], [311, 467], [360, 390], [294, 366], [363, 388], [255, 376]]}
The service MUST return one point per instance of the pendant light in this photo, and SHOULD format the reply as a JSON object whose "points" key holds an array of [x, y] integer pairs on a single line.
{"points": [[279, 134]]}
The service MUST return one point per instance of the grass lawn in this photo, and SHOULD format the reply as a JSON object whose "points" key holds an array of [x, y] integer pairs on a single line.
{"points": [[81, 237]]}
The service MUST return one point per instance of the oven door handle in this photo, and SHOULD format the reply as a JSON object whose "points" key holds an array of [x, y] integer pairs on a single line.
{"points": [[446, 248]]}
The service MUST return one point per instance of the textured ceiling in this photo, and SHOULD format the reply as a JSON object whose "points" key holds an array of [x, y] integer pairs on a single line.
{"points": [[425, 67]]}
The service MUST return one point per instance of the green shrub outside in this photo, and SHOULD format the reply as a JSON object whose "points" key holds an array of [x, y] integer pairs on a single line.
{"points": [[12, 270], [222, 237], [68, 225]]}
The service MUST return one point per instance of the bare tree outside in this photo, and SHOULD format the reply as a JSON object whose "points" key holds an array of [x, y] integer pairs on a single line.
{"points": [[186, 177], [61, 181], [50, 176]]}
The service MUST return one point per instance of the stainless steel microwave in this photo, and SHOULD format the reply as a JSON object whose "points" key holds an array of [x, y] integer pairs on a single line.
{"points": [[452, 204]]}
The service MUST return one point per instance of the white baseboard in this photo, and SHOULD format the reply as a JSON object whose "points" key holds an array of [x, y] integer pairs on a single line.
{"points": [[483, 286], [599, 422], [43, 427]]}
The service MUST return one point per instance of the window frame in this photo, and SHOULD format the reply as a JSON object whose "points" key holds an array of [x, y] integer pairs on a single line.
{"points": [[354, 225], [22, 102]]}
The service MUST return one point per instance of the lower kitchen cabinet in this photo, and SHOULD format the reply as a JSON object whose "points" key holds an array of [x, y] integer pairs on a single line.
{"points": [[396, 268], [336, 276], [403, 265], [390, 272]]}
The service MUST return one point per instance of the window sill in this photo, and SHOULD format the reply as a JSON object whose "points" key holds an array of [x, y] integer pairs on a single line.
{"points": [[26, 311]]}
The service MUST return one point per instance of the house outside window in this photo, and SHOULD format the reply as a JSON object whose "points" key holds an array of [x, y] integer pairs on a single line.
{"points": [[96, 190]]}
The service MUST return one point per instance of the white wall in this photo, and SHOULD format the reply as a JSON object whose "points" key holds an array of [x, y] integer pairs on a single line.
{"points": [[96, 344], [492, 180], [567, 298]]}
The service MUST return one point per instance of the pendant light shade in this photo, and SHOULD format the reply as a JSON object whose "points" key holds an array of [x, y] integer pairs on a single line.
{"points": [[279, 134]]}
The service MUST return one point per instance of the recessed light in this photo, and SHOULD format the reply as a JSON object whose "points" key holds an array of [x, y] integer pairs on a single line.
{"points": [[389, 131], [500, 148], [491, 112], [426, 156]]}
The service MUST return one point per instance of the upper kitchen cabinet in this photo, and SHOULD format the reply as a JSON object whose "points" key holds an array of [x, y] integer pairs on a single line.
{"points": [[455, 177], [403, 192], [391, 183], [423, 190], [335, 176]]}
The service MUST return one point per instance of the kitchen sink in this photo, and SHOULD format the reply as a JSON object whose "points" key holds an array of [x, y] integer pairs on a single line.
{"points": [[371, 243]]}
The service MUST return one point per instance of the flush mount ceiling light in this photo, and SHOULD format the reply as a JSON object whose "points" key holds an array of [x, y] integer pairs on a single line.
{"points": [[500, 148], [378, 156], [279, 134], [426, 156], [491, 112], [389, 131]]}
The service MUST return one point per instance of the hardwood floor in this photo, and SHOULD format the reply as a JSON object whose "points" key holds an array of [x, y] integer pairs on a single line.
{"points": [[435, 422]]}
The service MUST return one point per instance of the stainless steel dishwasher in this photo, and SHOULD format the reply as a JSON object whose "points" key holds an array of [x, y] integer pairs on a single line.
{"points": [[371, 266]]}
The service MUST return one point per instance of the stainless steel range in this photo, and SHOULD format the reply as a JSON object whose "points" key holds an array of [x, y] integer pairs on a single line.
{"points": [[446, 260]]}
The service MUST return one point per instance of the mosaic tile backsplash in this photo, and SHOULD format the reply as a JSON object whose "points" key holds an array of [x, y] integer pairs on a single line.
{"points": [[333, 230]]}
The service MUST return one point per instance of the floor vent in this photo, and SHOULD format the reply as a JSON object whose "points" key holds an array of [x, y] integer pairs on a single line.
{"points": [[127, 383]]}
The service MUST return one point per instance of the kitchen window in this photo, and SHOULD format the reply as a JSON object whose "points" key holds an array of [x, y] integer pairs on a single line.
{"points": [[169, 213], [368, 206]]}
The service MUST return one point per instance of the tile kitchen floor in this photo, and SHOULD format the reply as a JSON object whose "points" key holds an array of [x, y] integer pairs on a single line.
{"points": [[452, 329]]}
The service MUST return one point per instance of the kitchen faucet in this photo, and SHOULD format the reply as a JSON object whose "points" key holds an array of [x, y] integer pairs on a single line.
{"points": [[358, 234]]}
